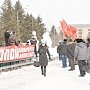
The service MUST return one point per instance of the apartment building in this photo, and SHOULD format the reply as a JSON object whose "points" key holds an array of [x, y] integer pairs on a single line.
{"points": [[83, 30]]}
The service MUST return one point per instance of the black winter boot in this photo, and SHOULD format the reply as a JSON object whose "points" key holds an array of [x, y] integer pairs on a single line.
{"points": [[42, 70], [45, 71]]}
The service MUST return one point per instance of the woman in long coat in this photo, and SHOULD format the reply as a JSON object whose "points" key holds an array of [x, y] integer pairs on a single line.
{"points": [[43, 51]]}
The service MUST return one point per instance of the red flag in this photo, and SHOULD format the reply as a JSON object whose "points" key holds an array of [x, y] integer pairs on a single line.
{"points": [[68, 30], [64, 30], [65, 27], [74, 36], [73, 31]]}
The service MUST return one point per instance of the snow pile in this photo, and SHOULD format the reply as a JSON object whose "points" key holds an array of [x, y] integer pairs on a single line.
{"points": [[53, 52]]}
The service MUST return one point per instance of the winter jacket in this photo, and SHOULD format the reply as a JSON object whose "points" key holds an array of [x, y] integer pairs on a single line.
{"points": [[70, 50], [58, 48], [63, 49], [7, 34], [12, 39], [43, 51], [88, 54], [80, 51], [33, 41]]}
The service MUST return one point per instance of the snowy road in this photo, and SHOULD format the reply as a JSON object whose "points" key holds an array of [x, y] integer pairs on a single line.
{"points": [[30, 78]]}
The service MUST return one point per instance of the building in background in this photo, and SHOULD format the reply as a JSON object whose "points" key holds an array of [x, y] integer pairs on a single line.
{"points": [[83, 31]]}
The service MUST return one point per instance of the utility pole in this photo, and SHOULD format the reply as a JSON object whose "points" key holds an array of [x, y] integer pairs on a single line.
{"points": [[18, 30], [32, 23]]}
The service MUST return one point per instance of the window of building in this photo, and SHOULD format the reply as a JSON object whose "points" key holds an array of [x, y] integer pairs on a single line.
{"points": [[80, 30], [88, 34], [89, 30], [80, 36]]}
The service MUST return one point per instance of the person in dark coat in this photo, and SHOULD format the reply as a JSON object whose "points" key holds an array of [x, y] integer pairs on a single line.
{"points": [[6, 35], [70, 54], [58, 50], [63, 51], [12, 39], [33, 41], [43, 51]]}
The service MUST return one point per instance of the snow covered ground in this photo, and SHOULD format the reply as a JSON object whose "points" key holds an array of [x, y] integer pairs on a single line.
{"points": [[57, 78], [30, 78]]}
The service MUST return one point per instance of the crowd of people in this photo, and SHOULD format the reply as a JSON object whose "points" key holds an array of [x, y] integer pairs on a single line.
{"points": [[77, 52], [10, 39]]}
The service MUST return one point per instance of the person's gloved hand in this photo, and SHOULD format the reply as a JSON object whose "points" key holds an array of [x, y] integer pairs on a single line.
{"points": [[49, 58]]}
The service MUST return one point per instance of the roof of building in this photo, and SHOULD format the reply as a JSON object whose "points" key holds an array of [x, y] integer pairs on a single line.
{"points": [[81, 25]]}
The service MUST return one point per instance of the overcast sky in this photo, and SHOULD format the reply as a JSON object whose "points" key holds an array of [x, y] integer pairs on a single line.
{"points": [[52, 11]]}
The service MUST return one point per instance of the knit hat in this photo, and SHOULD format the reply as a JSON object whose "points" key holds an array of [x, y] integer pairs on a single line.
{"points": [[43, 41]]}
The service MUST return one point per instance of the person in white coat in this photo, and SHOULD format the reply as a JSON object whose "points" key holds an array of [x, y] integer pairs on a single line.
{"points": [[88, 51], [80, 56]]}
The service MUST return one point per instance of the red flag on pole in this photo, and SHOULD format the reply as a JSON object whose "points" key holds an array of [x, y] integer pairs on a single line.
{"points": [[65, 27], [68, 30], [73, 31]]}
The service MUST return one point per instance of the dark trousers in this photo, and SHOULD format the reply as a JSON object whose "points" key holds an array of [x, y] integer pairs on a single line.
{"points": [[71, 63], [43, 70], [6, 42], [81, 64], [64, 60], [35, 50], [59, 56]]}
